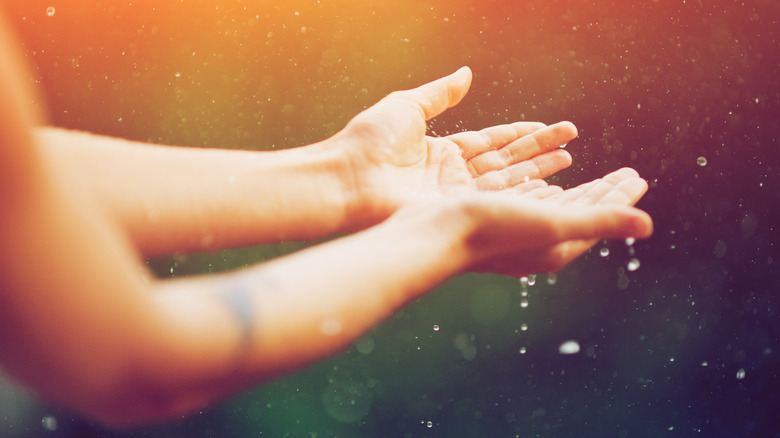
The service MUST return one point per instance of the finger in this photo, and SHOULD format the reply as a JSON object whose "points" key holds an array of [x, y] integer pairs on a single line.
{"points": [[527, 223], [435, 97], [626, 192], [473, 143], [538, 167], [542, 140], [589, 193], [604, 222], [608, 185]]}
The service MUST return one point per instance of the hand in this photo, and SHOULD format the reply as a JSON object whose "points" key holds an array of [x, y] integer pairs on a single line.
{"points": [[393, 163], [546, 228]]}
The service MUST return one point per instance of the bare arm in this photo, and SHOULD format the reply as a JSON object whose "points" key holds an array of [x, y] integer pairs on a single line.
{"points": [[179, 199]]}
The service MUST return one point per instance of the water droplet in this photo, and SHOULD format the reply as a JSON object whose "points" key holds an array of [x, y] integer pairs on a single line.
{"points": [[523, 286], [177, 74], [604, 252], [740, 374], [50, 11], [633, 264], [701, 161], [630, 241], [523, 303], [523, 350], [524, 327], [552, 278], [49, 423], [531, 280], [435, 327], [704, 364], [569, 347], [429, 424]]}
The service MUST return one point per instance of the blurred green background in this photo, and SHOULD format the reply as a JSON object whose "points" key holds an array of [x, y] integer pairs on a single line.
{"points": [[687, 345]]}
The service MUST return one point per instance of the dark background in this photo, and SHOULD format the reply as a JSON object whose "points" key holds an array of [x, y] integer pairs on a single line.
{"points": [[687, 345]]}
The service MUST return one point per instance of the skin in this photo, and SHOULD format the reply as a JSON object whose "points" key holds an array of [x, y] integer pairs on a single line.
{"points": [[84, 324]]}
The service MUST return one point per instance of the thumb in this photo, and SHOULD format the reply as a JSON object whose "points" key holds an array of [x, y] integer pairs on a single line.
{"points": [[435, 97]]}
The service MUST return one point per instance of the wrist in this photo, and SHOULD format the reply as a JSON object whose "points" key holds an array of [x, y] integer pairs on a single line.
{"points": [[362, 205], [444, 226], [330, 158]]}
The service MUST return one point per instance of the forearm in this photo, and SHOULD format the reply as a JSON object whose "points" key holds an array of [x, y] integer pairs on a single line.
{"points": [[178, 199], [309, 305], [323, 299]]}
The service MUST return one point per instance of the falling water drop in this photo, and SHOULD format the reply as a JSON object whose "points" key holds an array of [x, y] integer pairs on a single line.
{"points": [[569, 347], [436, 327], [701, 161], [50, 11], [523, 286], [604, 252], [633, 264], [49, 422]]}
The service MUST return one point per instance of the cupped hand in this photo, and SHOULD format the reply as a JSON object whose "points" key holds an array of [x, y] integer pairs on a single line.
{"points": [[394, 163], [544, 229]]}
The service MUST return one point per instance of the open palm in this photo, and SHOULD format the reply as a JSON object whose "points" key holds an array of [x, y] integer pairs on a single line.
{"points": [[394, 163], [573, 221]]}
